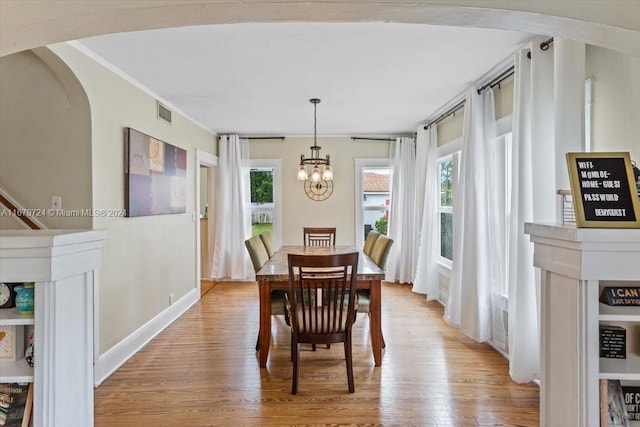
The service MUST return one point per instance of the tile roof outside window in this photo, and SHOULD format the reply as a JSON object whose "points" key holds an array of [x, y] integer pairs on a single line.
{"points": [[374, 182]]}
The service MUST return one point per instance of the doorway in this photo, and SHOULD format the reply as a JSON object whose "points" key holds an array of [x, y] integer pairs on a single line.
{"points": [[205, 190]]}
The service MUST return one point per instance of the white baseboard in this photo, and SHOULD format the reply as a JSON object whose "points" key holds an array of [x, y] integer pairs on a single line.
{"points": [[117, 355]]}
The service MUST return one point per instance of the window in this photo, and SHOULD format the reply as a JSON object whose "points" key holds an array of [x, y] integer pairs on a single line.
{"points": [[445, 202], [503, 190], [376, 198], [373, 196], [264, 197], [261, 187]]}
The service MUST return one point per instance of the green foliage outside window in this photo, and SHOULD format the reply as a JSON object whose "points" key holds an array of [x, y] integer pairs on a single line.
{"points": [[446, 202], [446, 183], [381, 225], [261, 186], [446, 236]]}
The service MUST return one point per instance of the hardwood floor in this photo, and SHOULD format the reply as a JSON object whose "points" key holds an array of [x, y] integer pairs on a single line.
{"points": [[203, 371], [206, 286]]}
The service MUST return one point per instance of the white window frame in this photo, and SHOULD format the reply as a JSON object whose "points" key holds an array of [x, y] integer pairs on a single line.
{"points": [[450, 149], [445, 209], [504, 139]]}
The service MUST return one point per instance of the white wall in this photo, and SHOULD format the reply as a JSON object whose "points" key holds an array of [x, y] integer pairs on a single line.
{"points": [[45, 140], [616, 100], [145, 259], [299, 210]]}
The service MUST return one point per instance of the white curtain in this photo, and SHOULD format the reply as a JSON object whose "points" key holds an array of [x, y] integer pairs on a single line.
{"points": [[469, 303], [420, 186], [426, 277], [232, 223], [533, 149], [401, 212]]}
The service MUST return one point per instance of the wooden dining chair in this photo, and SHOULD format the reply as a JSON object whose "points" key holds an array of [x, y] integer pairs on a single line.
{"points": [[259, 256], [331, 321], [319, 236]]}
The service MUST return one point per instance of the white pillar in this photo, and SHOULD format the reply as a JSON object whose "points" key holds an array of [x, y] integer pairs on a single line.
{"points": [[569, 76], [542, 133]]}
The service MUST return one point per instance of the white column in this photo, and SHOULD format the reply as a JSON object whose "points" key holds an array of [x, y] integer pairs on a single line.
{"points": [[569, 76], [542, 133]]}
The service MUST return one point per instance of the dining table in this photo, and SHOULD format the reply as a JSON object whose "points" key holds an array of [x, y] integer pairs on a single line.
{"points": [[274, 275]]}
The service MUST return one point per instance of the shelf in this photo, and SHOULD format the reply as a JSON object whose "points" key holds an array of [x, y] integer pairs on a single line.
{"points": [[621, 369], [619, 313], [15, 372], [10, 316]]}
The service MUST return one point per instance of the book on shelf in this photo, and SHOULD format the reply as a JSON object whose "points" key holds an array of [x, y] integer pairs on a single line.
{"points": [[16, 400], [621, 296], [613, 411], [632, 401], [613, 342]]}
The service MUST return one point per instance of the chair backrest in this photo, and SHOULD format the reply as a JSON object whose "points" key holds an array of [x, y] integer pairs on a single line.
{"points": [[267, 240], [380, 251], [335, 277], [319, 236], [257, 252], [370, 241]]}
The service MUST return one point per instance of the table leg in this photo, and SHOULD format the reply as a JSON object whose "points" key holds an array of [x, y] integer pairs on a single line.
{"points": [[265, 322], [375, 320]]}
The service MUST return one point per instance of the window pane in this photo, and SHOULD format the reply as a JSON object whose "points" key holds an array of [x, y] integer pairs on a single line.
{"points": [[446, 235], [261, 186], [446, 182], [261, 182], [376, 198]]}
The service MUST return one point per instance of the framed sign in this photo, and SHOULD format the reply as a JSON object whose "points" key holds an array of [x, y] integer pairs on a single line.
{"points": [[604, 190]]}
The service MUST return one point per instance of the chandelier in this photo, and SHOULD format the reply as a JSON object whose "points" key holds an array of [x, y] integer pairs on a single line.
{"points": [[320, 168]]}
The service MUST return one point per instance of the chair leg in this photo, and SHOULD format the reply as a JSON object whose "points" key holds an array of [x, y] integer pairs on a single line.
{"points": [[349, 360], [287, 320], [258, 342], [292, 347], [294, 378]]}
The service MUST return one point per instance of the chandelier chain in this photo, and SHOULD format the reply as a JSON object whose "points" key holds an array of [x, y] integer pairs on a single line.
{"points": [[321, 167]]}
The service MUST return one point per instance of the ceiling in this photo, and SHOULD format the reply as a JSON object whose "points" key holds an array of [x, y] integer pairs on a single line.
{"points": [[374, 79]]}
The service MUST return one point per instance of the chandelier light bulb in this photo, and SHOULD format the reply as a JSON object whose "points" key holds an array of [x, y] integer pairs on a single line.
{"points": [[315, 174], [327, 173], [302, 173]]}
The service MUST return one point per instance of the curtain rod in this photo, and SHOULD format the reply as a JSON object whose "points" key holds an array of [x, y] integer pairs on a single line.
{"points": [[446, 114], [505, 74], [263, 137], [497, 80], [545, 44], [371, 139]]}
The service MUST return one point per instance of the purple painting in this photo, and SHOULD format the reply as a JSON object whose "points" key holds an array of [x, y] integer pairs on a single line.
{"points": [[155, 176]]}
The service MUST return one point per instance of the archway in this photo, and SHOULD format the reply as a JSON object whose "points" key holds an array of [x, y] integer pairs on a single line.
{"points": [[50, 22]]}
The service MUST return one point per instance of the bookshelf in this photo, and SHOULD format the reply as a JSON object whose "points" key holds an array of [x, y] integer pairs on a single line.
{"points": [[575, 265], [62, 264]]}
